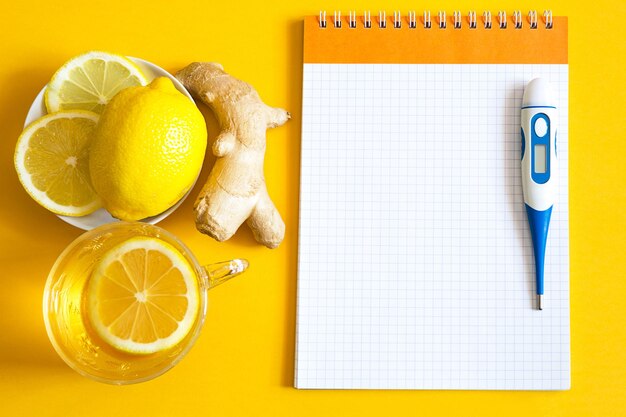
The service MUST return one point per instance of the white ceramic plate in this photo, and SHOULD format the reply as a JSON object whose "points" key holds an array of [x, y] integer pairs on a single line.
{"points": [[101, 216]]}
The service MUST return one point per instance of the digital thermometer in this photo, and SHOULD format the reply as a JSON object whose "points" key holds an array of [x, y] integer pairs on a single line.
{"points": [[539, 167]]}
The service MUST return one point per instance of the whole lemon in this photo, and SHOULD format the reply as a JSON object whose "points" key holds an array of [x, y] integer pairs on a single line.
{"points": [[147, 150]]}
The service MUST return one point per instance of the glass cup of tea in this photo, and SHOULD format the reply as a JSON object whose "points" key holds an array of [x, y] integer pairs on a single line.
{"points": [[125, 301]]}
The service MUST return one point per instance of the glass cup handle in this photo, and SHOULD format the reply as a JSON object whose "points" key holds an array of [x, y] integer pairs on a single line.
{"points": [[221, 272]]}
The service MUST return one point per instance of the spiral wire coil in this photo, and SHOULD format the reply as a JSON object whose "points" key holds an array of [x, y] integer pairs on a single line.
{"points": [[457, 19]]}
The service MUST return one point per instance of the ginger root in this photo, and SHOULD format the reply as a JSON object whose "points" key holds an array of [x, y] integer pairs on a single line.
{"points": [[235, 190]]}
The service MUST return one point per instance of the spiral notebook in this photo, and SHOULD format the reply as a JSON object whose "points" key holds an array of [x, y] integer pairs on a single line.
{"points": [[415, 265]]}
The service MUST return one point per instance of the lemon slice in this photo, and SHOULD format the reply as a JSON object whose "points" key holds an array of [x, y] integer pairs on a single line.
{"points": [[52, 162], [90, 80], [143, 296]]}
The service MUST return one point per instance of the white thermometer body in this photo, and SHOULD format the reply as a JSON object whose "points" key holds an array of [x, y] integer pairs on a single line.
{"points": [[539, 167]]}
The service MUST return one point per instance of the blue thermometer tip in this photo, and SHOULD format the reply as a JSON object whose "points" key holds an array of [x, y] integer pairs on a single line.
{"points": [[539, 222]]}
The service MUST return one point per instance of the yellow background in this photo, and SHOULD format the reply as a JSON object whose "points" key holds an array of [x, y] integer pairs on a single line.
{"points": [[242, 365]]}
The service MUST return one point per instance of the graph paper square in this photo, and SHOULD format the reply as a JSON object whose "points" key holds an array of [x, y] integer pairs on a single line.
{"points": [[415, 267]]}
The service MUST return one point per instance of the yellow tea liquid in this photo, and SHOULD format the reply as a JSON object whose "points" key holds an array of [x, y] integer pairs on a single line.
{"points": [[67, 321]]}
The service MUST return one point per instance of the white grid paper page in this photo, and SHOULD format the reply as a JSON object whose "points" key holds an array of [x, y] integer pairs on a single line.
{"points": [[415, 266]]}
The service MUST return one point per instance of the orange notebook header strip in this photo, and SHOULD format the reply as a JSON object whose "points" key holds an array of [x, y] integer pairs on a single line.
{"points": [[435, 45]]}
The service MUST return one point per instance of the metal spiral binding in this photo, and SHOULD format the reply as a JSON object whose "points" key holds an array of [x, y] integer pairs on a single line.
{"points": [[427, 21], [457, 19], [412, 20], [322, 19], [532, 19], [487, 19], [337, 21], [397, 19], [471, 19], [441, 16], [518, 20], [547, 14], [502, 19], [352, 19], [517, 17]]}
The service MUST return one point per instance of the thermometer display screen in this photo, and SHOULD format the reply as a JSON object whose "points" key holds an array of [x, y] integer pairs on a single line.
{"points": [[540, 159]]}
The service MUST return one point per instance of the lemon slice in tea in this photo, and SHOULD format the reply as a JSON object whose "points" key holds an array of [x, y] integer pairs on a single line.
{"points": [[143, 296], [90, 80], [52, 162]]}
